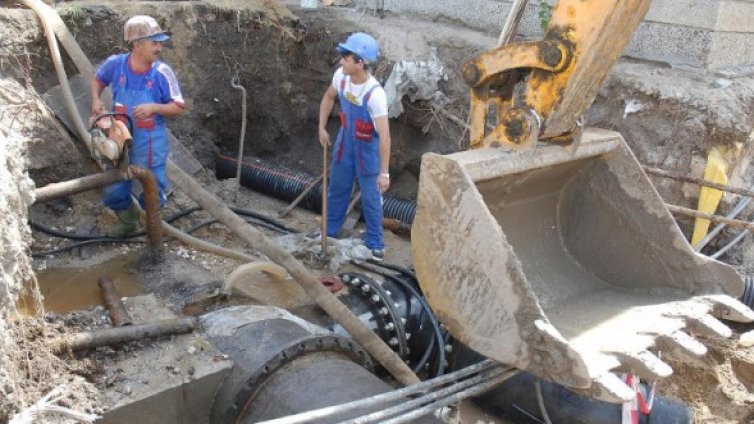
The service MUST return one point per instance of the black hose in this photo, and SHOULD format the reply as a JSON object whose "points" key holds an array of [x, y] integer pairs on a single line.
{"points": [[74, 236], [249, 220], [286, 184], [83, 243], [264, 218]]}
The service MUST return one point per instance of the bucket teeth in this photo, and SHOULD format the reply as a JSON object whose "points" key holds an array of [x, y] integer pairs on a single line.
{"points": [[728, 308], [609, 388], [645, 364], [709, 326], [682, 345]]}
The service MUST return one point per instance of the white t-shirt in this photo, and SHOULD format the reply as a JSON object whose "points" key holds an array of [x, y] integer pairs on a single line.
{"points": [[377, 102]]}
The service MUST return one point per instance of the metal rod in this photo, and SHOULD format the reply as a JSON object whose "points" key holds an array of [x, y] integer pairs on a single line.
{"points": [[78, 185], [422, 387], [740, 206], [323, 230], [511, 22], [457, 397], [380, 416], [110, 296], [698, 181], [730, 244], [298, 199], [235, 84], [111, 336], [737, 223]]}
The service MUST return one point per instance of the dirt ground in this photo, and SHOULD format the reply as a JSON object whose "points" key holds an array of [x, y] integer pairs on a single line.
{"points": [[284, 58]]}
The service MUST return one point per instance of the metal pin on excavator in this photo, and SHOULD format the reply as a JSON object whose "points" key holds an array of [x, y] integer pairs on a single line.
{"points": [[563, 262]]}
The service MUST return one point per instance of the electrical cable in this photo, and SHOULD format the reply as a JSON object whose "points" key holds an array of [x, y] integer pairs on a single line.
{"points": [[74, 236], [83, 243], [541, 402]]}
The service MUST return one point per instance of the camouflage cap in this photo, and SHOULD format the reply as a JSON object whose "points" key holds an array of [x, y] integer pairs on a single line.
{"points": [[143, 26]]}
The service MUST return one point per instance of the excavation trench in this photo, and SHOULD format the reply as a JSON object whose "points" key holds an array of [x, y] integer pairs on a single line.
{"points": [[284, 62]]}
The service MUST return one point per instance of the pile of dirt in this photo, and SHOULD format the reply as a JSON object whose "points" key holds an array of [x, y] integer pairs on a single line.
{"points": [[28, 368]]}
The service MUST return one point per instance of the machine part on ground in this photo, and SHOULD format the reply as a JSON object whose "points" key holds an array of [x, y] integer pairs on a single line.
{"points": [[289, 370], [132, 172], [110, 296], [514, 400], [566, 264], [113, 336], [427, 341], [562, 74], [286, 184]]}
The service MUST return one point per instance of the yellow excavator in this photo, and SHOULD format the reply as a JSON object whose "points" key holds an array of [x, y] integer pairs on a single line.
{"points": [[545, 246]]}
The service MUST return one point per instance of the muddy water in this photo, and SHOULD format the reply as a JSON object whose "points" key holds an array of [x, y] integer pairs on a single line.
{"points": [[68, 289]]}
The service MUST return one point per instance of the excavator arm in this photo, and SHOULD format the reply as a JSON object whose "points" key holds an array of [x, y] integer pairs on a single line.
{"points": [[560, 74], [563, 262]]}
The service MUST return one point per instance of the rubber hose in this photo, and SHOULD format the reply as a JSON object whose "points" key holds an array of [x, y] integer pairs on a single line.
{"points": [[286, 184]]}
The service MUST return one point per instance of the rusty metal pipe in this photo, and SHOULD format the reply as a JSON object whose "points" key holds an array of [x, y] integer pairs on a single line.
{"points": [[151, 205], [111, 336], [110, 296], [90, 182], [79, 185]]}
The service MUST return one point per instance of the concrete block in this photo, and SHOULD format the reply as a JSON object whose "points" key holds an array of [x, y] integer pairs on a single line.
{"points": [[168, 381], [729, 49], [700, 14], [673, 44], [736, 16]]}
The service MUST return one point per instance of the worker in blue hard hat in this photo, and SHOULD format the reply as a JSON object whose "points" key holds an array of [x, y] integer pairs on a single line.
{"points": [[362, 148]]}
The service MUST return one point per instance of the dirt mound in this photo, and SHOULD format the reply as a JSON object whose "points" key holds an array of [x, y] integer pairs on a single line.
{"points": [[28, 369]]}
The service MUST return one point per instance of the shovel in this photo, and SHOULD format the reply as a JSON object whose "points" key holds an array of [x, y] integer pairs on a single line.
{"points": [[323, 230]]}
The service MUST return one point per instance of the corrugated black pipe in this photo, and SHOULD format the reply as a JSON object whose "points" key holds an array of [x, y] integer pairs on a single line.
{"points": [[748, 296], [286, 184]]}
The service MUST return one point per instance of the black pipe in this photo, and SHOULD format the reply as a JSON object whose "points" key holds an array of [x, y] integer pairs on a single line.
{"points": [[516, 400], [286, 184], [748, 297], [282, 367]]}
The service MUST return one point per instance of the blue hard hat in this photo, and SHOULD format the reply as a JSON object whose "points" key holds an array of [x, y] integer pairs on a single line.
{"points": [[362, 45]]}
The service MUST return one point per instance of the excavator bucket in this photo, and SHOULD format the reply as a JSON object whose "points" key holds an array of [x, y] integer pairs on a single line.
{"points": [[566, 263]]}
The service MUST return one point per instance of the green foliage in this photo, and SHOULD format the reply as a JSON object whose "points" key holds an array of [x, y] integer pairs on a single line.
{"points": [[75, 18], [544, 14]]}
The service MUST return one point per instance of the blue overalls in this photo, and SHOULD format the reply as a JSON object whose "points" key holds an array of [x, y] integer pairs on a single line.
{"points": [[356, 154], [150, 141]]}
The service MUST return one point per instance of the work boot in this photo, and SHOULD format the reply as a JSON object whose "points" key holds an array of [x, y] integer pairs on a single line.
{"points": [[127, 223]]}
